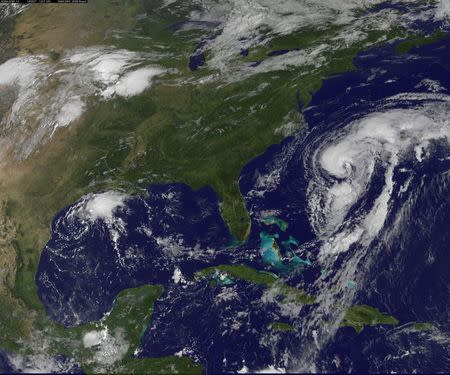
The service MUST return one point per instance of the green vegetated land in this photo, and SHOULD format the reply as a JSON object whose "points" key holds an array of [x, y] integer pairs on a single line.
{"points": [[419, 40], [360, 316], [200, 134], [120, 333], [282, 327], [423, 326], [263, 278], [357, 316]]}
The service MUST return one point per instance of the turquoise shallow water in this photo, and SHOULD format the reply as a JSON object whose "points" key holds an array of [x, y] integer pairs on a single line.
{"points": [[405, 273]]}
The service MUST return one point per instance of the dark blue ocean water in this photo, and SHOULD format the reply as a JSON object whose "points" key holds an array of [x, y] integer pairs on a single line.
{"points": [[225, 327], [5, 365], [95, 271]]}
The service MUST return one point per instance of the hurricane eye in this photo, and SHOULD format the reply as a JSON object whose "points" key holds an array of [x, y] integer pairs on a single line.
{"points": [[348, 167]]}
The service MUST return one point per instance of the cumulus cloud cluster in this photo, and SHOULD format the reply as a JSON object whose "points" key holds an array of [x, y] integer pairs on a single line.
{"points": [[41, 364], [244, 24], [443, 9], [46, 95], [102, 205], [351, 159], [107, 347]]}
